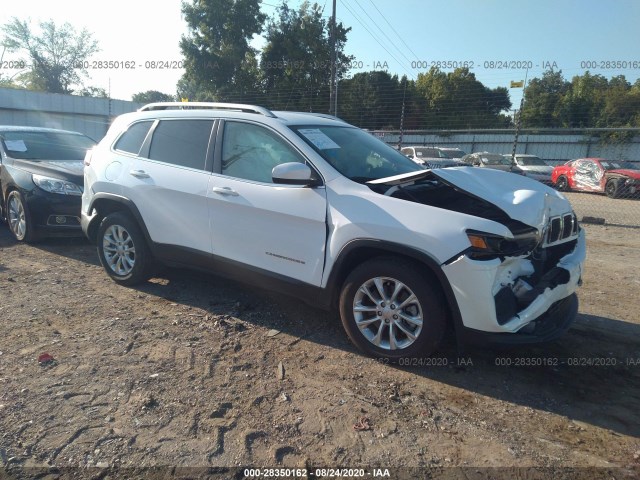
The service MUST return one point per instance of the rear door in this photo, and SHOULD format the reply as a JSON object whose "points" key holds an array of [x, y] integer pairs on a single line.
{"points": [[168, 182], [276, 228]]}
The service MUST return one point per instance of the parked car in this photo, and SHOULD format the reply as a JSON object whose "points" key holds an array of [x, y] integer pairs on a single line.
{"points": [[453, 152], [614, 178], [322, 210], [41, 181], [533, 167], [495, 161], [430, 157]]}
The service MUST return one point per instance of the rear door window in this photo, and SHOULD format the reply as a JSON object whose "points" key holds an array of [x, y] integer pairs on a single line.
{"points": [[184, 143]]}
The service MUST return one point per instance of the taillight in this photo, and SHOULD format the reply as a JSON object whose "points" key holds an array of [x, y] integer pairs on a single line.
{"points": [[87, 158]]}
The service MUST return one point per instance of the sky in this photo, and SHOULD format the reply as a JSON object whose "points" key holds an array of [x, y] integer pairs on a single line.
{"points": [[498, 39]]}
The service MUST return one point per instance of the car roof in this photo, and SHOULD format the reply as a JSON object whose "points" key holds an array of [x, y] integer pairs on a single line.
{"points": [[21, 128], [232, 110]]}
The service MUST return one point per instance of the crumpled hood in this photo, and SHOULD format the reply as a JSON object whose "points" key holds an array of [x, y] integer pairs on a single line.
{"points": [[626, 173], [522, 198]]}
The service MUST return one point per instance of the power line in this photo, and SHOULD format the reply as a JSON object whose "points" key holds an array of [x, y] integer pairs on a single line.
{"points": [[374, 37], [394, 30], [382, 31]]}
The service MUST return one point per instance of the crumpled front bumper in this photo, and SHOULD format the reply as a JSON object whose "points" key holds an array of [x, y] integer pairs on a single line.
{"points": [[476, 283]]}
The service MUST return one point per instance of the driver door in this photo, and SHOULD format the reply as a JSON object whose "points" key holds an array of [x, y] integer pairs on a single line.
{"points": [[277, 228]]}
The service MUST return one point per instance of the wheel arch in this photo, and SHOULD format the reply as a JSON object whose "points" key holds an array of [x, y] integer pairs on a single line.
{"points": [[104, 204], [356, 252]]}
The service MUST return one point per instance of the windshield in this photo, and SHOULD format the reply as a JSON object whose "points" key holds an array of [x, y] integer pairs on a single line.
{"points": [[615, 165], [356, 154], [530, 162], [495, 160], [46, 145], [454, 153]]}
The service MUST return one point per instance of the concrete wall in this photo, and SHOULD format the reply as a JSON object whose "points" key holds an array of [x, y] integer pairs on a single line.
{"points": [[91, 116], [549, 145]]}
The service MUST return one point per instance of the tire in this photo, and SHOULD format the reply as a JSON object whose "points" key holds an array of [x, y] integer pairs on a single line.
{"points": [[381, 327], [19, 219], [611, 189], [562, 184], [123, 250]]}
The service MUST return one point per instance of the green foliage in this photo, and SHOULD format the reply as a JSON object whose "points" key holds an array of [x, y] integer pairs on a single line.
{"points": [[371, 100], [152, 96], [457, 100], [588, 101], [542, 98], [296, 60], [219, 62], [56, 54]]}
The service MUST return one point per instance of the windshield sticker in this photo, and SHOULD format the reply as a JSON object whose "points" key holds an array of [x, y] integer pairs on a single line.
{"points": [[319, 139], [15, 145]]}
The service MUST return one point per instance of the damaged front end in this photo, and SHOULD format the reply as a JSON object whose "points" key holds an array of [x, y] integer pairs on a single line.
{"points": [[532, 291], [514, 287]]}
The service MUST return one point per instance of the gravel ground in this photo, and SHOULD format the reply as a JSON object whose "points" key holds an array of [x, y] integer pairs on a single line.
{"points": [[192, 375]]}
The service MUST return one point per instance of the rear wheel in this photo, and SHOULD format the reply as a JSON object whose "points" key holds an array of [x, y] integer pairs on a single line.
{"points": [[611, 188], [389, 309], [562, 184], [18, 218], [122, 249]]}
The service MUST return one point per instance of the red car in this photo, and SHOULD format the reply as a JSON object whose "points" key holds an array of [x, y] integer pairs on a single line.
{"points": [[613, 177]]}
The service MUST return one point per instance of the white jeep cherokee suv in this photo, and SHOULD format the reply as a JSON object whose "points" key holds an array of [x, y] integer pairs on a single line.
{"points": [[317, 208]]}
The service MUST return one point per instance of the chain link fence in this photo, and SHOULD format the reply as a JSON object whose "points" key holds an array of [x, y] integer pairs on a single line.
{"points": [[605, 190]]}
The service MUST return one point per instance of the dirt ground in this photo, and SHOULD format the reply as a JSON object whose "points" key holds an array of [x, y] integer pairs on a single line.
{"points": [[193, 371]]}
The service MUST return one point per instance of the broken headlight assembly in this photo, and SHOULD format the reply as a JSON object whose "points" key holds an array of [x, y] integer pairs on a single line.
{"points": [[487, 246]]}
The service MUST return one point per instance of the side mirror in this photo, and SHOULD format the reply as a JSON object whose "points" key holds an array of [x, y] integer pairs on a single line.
{"points": [[294, 173]]}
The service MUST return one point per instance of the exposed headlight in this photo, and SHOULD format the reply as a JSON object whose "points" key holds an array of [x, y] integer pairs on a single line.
{"points": [[485, 246], [55, 185]]}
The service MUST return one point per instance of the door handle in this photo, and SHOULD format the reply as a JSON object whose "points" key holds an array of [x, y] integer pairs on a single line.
{"points": [[139, 173], [224, 191]]}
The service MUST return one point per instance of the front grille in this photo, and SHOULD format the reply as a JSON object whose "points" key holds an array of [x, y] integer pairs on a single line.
{"points": [[560, 228]]}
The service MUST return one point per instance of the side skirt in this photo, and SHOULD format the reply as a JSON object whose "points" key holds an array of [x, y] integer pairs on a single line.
{"points": [[174, 256]]}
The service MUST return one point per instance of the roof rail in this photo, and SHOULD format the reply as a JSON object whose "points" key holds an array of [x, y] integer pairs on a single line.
{"points": [[207, 105]]}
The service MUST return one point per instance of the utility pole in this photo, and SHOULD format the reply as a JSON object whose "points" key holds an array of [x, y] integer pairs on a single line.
{"points": [[404, 93], [333, 94], [518, 121]]}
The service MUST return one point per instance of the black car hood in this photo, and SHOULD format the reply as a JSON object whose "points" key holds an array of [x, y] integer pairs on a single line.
{"points": [[71, 170]]}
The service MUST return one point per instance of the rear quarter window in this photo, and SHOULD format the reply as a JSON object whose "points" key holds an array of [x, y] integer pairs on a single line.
{"points": [[131, 141]]}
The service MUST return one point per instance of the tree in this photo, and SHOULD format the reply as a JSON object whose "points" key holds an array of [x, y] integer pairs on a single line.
{"points": [[371, 100], [219, 62], [543, 100], [96, 92], [583, 101], [296, 60], [56, 54], [457, 100], [152, 96]]}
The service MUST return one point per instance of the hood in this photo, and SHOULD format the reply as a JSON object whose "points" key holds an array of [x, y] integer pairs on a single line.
{"points": [[504, 168], [521, 198], [543, 169], [63, 169], [626, 173]]}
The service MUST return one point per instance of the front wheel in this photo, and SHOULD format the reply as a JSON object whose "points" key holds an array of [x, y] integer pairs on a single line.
{"points": [[611, 189], [562, 184], [389, 309], [122, 249], [18, 218]]}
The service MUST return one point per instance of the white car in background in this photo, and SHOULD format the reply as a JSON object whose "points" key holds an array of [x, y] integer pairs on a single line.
{"points": [[322, 210], [533, 167], [432, 157]]}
